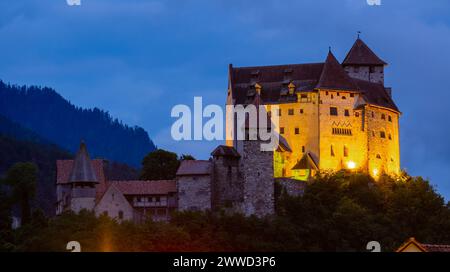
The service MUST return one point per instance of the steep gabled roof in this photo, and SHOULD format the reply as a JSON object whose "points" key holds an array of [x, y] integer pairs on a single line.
{"points": [[82, 170], [334, 76], [361, 54]]}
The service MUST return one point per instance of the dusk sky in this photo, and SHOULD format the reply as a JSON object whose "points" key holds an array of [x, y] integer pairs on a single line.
{"points": [[139, 58]]}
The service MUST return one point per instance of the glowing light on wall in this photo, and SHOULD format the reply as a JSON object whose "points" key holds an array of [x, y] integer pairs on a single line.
{"points": [[351, 165], [375, 172]]}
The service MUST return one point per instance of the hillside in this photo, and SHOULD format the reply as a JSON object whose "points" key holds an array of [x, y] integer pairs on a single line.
{"points": [[49, 115], [44, 156]]}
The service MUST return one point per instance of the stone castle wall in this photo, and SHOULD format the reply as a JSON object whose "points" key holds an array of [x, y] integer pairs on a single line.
{"points": [[194, 193]]}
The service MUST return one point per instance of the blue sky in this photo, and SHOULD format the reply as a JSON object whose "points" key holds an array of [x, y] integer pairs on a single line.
{"points": [[138, 58]]}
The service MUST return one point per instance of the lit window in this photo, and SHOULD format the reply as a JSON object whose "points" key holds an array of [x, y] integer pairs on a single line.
{"points": [[333, 111], [345, 151]]}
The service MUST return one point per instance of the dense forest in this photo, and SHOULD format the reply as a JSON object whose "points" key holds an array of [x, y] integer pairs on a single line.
{"points": [[49, 115], [19, 144], [338, 212]]}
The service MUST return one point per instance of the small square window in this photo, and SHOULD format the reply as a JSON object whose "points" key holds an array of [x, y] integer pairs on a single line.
{"points": [[382, 134], [291, 111], [346, 113], [333, 111], [301, 111], [297, 131], [281, 130], [356, 114], [352, 95]]}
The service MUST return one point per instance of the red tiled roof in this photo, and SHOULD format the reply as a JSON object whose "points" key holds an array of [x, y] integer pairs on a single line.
{"points": [[145, 187], [194, 167]]}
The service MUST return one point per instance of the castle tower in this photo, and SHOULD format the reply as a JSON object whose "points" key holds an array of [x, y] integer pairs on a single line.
{"points": [[82, 182], [362, 63], [256, 166]]}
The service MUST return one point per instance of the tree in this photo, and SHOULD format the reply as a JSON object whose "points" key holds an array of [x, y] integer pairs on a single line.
{"points": [[21, 177], [187, 157], [160, 165]]}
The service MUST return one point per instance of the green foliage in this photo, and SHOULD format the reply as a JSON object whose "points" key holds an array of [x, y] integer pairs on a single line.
{"points": [[160, 165], [338, 212], [22, 177]]}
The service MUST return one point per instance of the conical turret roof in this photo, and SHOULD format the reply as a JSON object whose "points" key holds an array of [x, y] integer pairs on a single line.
{"points": [[83, 170]]}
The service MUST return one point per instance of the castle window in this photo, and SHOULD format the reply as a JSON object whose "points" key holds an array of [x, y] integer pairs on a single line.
{"points": [[291, 111], [389, 118], [343, 97], [326, 93], [389, 136], [301, 111], [373, 133], [281, 130], [383, 116], [333, 111], [345, 151], [337, 94], [332, 151], [373, 114], [297, 131], [341, 131], [352, 95], [392, 160], [382, 134], [346, 113], [303, 149], [120, 215], [378, 156], [356, 114], [332, 96], [279, 112]]}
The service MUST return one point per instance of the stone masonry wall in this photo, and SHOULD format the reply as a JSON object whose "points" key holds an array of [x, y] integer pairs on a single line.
{"points": [[194, 192]]}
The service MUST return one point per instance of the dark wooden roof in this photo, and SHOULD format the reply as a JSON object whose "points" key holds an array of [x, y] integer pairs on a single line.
{"points": [[274, 81], [334, 77], [361, 54], [225, 151], [82, 170], [194, 167]]}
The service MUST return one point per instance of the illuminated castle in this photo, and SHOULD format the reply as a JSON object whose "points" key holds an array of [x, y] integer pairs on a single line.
{"points": [[333, 115]]}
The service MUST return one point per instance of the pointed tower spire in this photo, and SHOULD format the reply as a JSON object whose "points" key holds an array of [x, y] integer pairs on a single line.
{"points": [[361, 54], [334, 76], [82, 170]]}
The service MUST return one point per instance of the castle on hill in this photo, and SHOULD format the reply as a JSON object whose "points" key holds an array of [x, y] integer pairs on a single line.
{"points": [[332, 116]]}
